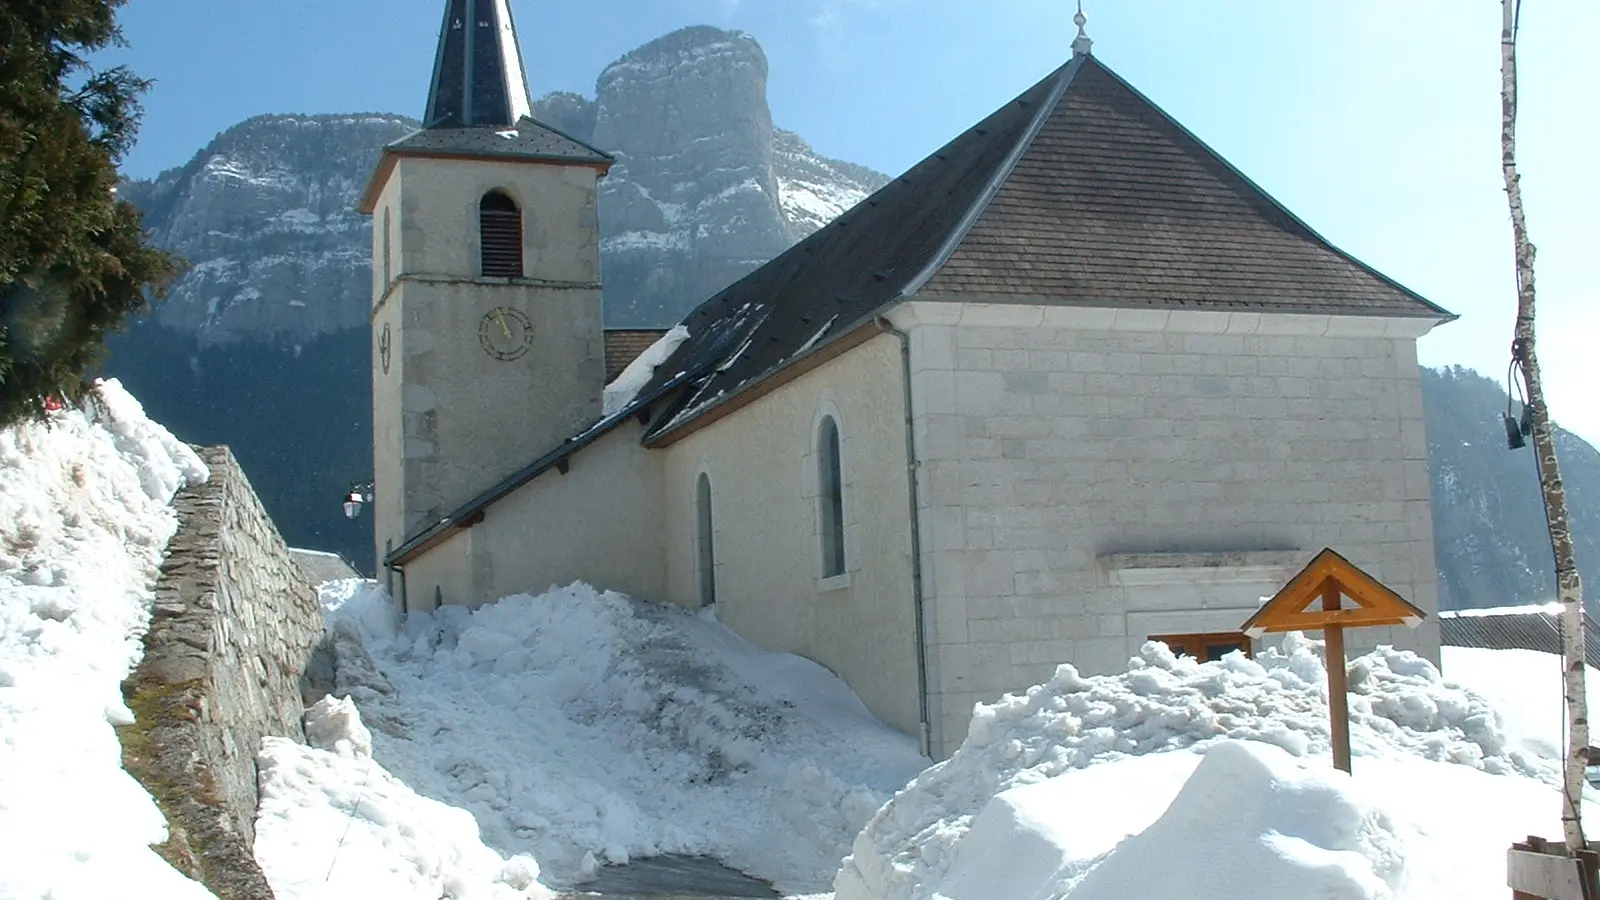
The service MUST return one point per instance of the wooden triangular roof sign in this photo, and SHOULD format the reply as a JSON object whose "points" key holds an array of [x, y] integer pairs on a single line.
{"points": [[1300, 605]]}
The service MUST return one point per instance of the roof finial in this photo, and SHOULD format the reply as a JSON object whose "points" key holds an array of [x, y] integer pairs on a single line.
{"points": [[1081, 43]]}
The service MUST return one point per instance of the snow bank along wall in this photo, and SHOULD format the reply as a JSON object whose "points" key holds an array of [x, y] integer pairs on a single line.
{"points": [[232, 655]]}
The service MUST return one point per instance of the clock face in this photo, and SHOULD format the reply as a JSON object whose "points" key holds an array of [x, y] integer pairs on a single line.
{"points": [[505, 333], [383, 348]]}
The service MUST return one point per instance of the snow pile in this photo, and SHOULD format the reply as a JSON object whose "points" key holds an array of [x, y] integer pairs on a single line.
{"points": [[620, 392], [1400, 706], [1243, 819], [84, 518], [1525, 688], [1251, 814], [584, 728], [335, 824]]}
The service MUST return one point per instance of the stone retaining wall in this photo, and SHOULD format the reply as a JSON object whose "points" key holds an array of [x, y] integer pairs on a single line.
{"points": [[233, 654]]}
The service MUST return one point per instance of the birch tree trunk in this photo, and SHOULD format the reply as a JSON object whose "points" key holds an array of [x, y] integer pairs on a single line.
{"points": [[1569, 589]]}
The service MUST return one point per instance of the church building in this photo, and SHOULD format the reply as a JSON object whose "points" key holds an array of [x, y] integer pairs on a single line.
{"points": [[1070, 383]]}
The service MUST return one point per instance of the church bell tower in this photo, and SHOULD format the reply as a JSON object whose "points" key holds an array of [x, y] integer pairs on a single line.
{"points": [[487, 340]]}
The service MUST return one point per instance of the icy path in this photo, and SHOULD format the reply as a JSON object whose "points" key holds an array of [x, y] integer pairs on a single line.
{"points": [[672, 878], [584, 728]]}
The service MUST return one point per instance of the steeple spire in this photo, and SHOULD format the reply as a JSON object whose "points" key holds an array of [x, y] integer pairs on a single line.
{"points": [[1081, 44], [478, 77]]}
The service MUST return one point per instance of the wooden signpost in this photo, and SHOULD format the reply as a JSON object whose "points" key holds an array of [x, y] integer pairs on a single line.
{"points": [[1324, 583]]}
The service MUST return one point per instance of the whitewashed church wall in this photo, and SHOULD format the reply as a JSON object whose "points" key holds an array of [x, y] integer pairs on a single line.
{"points": [[1051, 452], [599, 523], [761, 461]]}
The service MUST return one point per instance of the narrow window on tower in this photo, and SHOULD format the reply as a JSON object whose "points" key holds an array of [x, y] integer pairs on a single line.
{"points": [[705, 552], [830, 484], [385, 285], [500, 235]]}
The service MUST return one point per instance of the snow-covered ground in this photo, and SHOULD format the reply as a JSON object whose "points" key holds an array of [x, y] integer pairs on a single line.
{"points": [[1524, 687], [84, 518], [521, 745], [1213, 780], [581, 728], [334, 824]]}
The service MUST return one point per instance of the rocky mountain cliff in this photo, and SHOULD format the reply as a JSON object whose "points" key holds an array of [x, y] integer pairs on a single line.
{"points": [[264, 345], [266, 217]]}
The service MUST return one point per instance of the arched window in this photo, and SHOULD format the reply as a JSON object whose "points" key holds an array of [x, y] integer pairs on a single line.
{"points": [[705, 553], [830, 491], [500, 235], [385, 285]]}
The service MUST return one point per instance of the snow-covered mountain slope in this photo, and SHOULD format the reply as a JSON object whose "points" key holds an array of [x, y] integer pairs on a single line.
{"points": [[1213, 780], [84, 519], [814, 190], [704, 188], [266, 217]]}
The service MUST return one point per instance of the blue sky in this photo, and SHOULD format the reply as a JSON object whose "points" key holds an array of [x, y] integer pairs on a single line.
{"points": [[1376, 121]]}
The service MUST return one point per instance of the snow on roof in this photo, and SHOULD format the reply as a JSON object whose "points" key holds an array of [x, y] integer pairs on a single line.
{"points": [[1535, 609], [620, 392]]}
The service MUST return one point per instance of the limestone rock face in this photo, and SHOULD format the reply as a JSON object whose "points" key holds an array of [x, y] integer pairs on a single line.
{"points": [[687, 118], [266, 216]]}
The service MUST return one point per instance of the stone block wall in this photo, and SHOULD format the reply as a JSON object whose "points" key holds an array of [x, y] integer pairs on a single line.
{"points": [[233, 654], [1089, 478]]}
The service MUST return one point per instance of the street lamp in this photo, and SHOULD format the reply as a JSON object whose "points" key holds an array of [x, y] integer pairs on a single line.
{"points": [[360, 494]]}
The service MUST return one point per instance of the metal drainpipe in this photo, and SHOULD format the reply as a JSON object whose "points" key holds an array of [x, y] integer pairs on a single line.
{"points": [[925, 739]]}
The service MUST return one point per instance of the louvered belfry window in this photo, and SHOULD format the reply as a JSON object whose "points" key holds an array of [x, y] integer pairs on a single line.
{"points": [[500, 234]]}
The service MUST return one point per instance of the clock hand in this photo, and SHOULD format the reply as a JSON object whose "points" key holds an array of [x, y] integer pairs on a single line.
{"points": [[501, 318]]}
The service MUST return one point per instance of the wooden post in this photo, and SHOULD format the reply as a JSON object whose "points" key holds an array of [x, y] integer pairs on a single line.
{"points": [[1338, 696]]}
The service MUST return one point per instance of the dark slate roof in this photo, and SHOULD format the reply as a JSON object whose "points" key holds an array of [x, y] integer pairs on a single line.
{"points": [[478, 77], [528, 139], [1515, 629], [1114, 203], [1079, 192]]}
